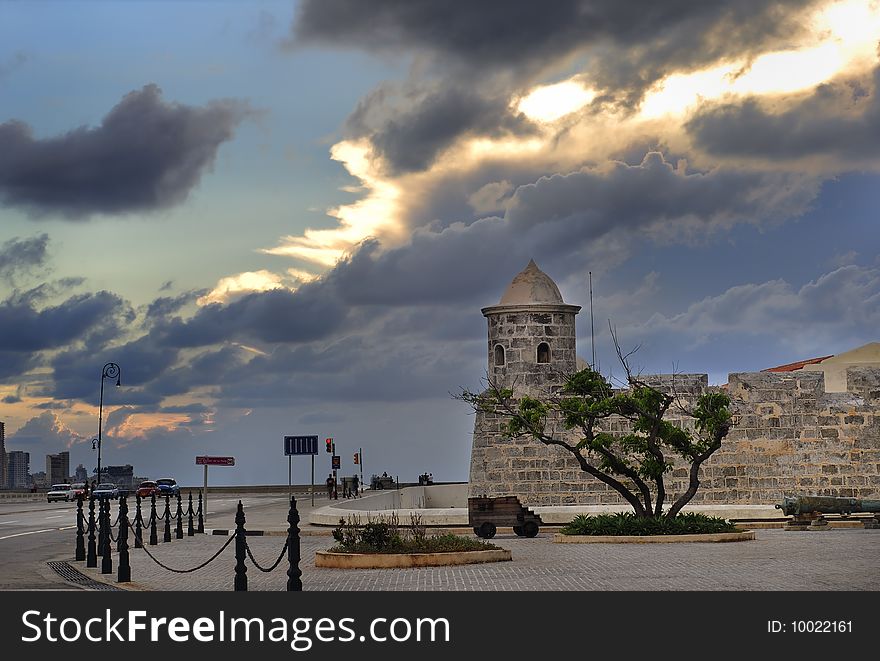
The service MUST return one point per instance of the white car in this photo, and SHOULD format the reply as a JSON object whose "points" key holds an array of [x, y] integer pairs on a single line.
{"points": [[59, 492]]}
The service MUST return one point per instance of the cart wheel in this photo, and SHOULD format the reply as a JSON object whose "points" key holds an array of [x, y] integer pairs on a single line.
{"points": [[530, 528], [487, 530], [518, 530]]}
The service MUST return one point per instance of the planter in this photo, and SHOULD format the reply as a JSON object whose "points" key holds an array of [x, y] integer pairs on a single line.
{"points": [[743, 536], [406, 560]]}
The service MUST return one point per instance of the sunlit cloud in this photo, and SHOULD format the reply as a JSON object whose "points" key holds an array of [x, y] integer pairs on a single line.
{"points": [[373, 215], [235, 285], [551, 102]]}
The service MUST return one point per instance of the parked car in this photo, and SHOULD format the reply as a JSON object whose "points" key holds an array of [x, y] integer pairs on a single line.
{"points": [[59, 492], [148, 488], [168, 486], [78, 489], [106, 490]]}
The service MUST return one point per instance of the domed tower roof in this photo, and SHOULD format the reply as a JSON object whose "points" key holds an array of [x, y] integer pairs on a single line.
{"points": [[530, 287]]}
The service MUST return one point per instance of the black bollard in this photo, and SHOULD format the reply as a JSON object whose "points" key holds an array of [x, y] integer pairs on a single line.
{"points": [[294, 573], [201, 527], [80, 540], [102, 527], [91, 553], [106, 560], [123, 572], [154, 538], [167, 517], [138, 525], [178, 531], [240, 551], [189, 517]]}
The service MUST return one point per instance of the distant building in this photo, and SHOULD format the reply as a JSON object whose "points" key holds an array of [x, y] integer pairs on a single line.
{"points": [[121, 476], [38, 480], [4, 481], [18, 465], [58, 467], [81, 474]]}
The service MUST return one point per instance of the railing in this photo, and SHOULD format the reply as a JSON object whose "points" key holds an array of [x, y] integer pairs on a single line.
{"points": [[94, 537]]}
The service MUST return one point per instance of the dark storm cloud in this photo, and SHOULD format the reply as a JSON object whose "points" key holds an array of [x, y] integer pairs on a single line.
{"points": [[77, 373], [165, 306], [19, 256], [146, 154], [24, 328], [641, 40], [411, 139], [656, 196], [839, 119], [274, 316]]}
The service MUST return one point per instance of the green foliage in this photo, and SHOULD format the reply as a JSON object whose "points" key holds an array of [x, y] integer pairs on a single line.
{"points": [[389, 537], [627, 523]]}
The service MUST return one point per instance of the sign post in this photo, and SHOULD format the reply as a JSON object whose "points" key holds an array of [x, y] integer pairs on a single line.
{"points": [[211, 461], [294, 445]]}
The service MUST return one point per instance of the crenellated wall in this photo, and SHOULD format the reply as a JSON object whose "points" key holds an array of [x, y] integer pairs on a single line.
{"points": [[790, 437]]}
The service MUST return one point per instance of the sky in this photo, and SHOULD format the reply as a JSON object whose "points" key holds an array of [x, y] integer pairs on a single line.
{"points": [[283, 218]]}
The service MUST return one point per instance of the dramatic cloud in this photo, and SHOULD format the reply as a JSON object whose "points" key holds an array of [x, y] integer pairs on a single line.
{"points": [[20, 256], [146, 154], [24, 328], [838, 309], [642, 40], [839, 120], [42, 435]]}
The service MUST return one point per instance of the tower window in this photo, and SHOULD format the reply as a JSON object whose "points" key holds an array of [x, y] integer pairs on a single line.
{"points": [[543, 353], [499, 355]]}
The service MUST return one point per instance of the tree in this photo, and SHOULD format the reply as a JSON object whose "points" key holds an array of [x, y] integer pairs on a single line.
{"points": [[633, 464]]}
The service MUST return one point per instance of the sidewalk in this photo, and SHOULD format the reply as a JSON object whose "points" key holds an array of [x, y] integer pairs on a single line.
{"points": [[834, 560]]}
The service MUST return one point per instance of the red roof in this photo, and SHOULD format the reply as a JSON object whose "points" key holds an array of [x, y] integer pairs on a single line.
{"points": [[791, 367]]}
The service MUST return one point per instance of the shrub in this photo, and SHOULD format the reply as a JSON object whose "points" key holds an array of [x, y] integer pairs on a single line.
{"points": [[627, 523], [382, 537]]}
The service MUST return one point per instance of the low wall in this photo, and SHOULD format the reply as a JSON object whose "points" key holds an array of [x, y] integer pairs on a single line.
{"points": [[418, 501]]}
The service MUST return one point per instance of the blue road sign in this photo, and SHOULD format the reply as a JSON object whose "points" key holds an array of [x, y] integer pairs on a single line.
{"points": [[300, 445]]}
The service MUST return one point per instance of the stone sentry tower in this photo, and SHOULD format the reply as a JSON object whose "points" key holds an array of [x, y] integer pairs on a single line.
{"points": [[532, 345]]}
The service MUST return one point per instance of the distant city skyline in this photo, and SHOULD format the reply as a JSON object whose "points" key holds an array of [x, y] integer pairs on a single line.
{"points": [[283, 217]]}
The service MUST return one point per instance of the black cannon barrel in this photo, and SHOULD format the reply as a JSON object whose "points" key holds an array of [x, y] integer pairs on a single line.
{"points": [[826, 505]]}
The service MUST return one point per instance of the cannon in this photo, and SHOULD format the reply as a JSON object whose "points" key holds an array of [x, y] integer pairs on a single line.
{"points": [[485, 514], [808, 510]]}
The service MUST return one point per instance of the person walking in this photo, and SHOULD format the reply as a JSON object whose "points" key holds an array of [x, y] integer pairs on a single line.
{"points": [[355, 483], [330, 484]]}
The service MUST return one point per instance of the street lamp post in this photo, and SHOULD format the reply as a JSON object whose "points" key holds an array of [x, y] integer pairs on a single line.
{"points": [[110, 371]]}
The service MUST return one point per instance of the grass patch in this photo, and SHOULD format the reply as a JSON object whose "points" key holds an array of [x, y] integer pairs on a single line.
{"points": [[627, 523], [390, 537]]}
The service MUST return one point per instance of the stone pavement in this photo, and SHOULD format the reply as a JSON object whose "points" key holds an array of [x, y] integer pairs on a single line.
{"points": [[837, 560]]}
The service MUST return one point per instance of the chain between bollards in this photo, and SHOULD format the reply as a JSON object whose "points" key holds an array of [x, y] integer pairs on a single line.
{"points": [[91, 554], [294, 573], [123, 574], [241, 582], [80, 540]]}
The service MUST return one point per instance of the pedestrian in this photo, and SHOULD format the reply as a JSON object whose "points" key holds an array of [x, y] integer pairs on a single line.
{"points": [[355, 483], [330, 484]]}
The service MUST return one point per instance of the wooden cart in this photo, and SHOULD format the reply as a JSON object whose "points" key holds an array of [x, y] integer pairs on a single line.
{"points": [[486, 514]]}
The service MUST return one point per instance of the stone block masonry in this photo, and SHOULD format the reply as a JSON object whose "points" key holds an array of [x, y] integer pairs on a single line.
{"points": [[789, 437]]}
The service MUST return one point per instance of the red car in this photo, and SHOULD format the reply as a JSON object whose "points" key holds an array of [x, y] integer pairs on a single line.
{"points": [[148, 488]]}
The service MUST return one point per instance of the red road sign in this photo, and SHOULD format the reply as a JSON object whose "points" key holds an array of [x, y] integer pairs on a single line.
{"points": [[215, 461]]}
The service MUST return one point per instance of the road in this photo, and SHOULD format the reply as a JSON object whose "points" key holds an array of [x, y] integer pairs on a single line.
{"points": [[33, 533]]}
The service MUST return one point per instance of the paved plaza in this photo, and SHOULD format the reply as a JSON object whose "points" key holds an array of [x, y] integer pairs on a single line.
{"points": [[838, 560]]}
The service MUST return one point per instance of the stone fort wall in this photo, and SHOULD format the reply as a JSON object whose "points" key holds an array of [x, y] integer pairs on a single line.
{"points": [[790, 437]]}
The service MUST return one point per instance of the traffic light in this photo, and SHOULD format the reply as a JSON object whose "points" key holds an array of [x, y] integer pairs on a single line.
{"points": [[357, 458], [329, 444]]}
